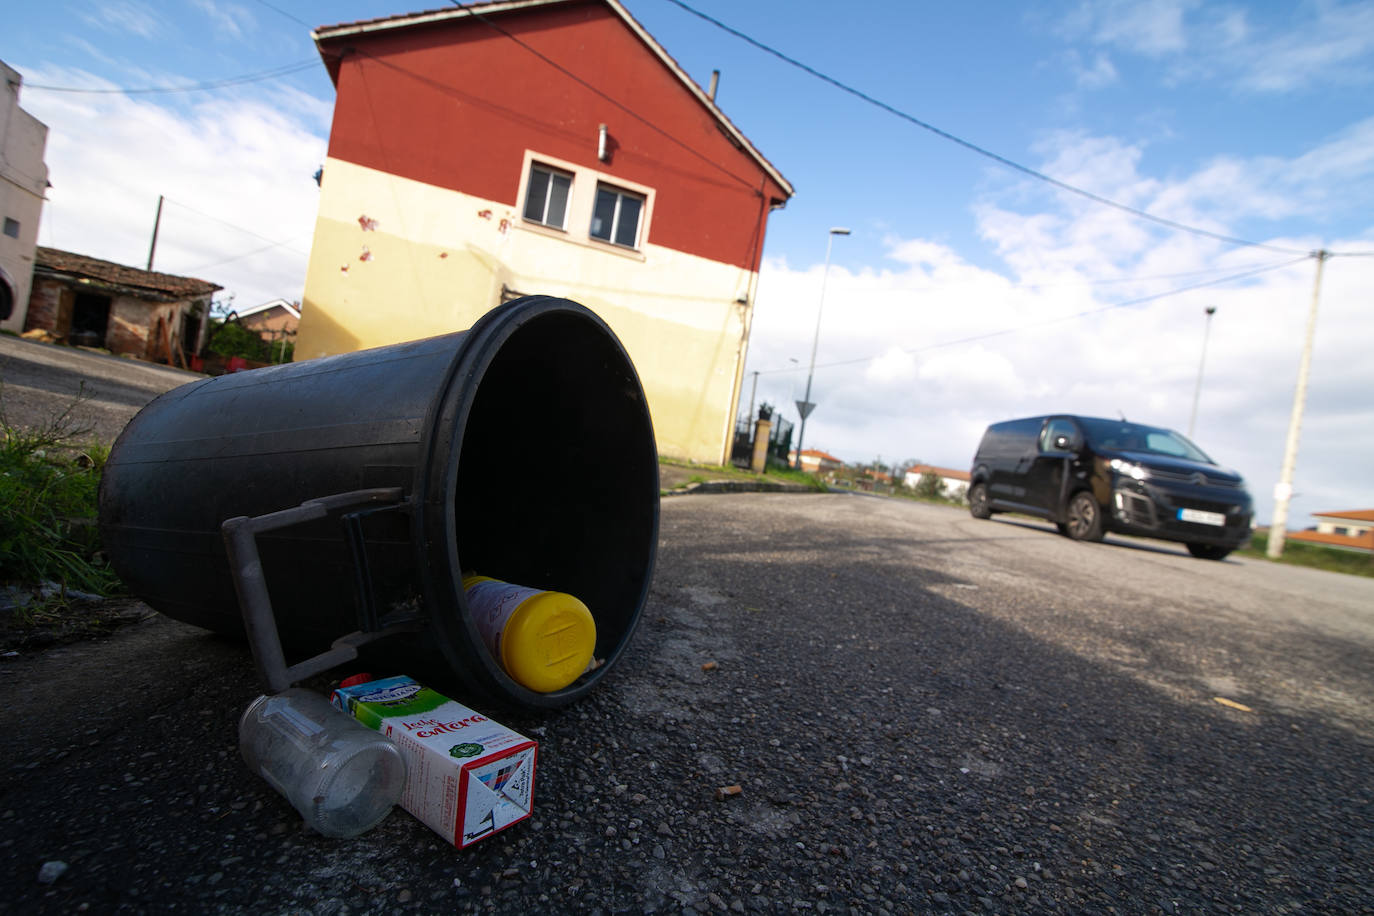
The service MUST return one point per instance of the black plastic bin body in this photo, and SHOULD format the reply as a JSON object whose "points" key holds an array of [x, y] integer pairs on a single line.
{"points": [[523, 447]]}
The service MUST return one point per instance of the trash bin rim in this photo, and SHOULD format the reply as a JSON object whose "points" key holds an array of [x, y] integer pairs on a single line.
{"points": [[436, 521]]}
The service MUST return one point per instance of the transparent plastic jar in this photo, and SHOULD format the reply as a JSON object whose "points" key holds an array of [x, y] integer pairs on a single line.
{"points": [[341, 776]]}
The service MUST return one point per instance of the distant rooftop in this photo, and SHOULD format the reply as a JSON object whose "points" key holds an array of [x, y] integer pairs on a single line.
{"points": [[146, 283], [1354, 515]]}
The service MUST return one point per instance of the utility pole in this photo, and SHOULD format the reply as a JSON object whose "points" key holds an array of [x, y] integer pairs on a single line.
{"points": [[1197, 389], [157, 221], [753, 391], [1283, 490]]}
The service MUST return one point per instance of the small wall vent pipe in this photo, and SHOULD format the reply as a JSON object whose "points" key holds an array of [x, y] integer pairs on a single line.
{"points": [[601, 151]]}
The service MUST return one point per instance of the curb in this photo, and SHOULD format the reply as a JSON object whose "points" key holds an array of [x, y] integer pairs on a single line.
{"points": [[736, 486]]}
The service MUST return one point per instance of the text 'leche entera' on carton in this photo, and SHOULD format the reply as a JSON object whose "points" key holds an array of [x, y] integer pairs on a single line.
{"points": [[467, 777]]}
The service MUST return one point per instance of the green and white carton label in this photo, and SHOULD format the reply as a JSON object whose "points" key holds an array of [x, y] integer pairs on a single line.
{"points": [[467, 776]]}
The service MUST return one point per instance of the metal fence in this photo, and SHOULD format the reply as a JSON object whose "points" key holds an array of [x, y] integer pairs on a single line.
{"points": [[779, 441]]}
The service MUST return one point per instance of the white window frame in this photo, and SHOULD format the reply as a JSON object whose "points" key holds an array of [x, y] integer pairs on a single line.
{"points": [[621, 195], [581, 201], [554, 174]]}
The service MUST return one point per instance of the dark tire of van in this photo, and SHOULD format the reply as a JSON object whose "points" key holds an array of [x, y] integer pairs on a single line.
{"points": [[1208, 551], [1084, 517], [978, 501]]}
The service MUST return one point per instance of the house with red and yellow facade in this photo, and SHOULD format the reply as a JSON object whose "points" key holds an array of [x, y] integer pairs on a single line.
{"points": [[501, 149]]}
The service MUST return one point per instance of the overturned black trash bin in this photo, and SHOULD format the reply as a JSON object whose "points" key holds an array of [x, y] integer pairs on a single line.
{"points": [[520, 449]]}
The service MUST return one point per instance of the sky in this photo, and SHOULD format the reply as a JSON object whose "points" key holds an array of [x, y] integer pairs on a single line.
{"points": [[968, 291]]}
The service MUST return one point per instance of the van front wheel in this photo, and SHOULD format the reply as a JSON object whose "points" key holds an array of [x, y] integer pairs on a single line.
{"points": [[1084, 517], [978, 501]]}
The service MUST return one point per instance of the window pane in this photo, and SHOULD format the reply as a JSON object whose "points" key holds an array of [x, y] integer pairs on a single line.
{"points": [[603, 215], [558, 200], [537, 195], [627, 230]]}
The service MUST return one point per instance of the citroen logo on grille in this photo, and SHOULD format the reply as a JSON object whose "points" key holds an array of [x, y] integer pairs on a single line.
{"points": [[1200, 479]]}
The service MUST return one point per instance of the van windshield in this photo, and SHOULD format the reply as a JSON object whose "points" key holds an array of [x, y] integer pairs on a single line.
{"points": [[1120, 436]]}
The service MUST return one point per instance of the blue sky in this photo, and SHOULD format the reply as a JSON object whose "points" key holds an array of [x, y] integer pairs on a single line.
{"points": [[1249, 120]]}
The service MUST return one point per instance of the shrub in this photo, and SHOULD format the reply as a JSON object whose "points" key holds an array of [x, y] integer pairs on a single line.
{"points": [[930, 486], [48, 492], [233, 339]]}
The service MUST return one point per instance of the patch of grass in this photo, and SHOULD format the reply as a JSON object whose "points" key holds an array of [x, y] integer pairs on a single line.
{"points": [[702, 473], [792, 475], [48, 491], [1296, 553]]}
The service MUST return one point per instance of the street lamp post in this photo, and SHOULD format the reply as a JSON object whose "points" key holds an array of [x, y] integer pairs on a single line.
{"points": [[1197, 389], [804, 406]]}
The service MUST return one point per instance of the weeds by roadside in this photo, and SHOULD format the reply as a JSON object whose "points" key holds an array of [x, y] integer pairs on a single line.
{"points": [[691, 472], [1313, 555], [49, 546]]}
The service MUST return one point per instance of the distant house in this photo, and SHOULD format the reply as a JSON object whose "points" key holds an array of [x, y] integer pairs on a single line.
{"points": [[1352, 529], [85, 301], [954, 482], [484, 152], [23, 185], [271, 320], [815, 461]]}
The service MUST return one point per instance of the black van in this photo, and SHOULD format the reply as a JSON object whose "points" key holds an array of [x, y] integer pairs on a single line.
{"points": [[1090, 476]]}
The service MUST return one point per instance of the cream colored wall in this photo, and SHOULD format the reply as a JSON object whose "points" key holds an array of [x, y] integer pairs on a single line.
{"points": [[397, 260], [1355, 528]]}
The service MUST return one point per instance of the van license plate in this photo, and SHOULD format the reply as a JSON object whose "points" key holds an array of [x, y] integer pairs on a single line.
{"points": [[1200, 517]]}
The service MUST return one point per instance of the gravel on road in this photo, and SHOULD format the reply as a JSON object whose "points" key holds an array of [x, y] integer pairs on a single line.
{"points": [[924, 714]]}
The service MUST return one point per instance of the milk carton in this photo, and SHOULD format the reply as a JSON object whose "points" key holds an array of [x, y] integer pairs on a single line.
{"points": [[467, 777]]}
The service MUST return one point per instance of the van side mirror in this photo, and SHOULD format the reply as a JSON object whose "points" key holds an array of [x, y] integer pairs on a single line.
{"points": [[1065, 444]]}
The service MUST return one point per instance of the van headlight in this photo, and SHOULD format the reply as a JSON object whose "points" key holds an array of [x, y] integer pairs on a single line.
{"points": [[1129, 469]]}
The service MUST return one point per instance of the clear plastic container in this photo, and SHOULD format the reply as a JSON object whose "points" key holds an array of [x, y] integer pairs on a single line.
{"points": [[341, 776]]}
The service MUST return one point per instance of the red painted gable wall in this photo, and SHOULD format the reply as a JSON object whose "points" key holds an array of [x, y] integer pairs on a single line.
{"points": [[456, 105]]}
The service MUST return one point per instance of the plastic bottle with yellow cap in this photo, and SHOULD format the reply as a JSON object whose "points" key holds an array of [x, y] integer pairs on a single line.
{"points": [[544, 640]]}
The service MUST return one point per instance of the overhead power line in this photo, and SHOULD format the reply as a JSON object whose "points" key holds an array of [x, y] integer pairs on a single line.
{"points": [[292, 17], [196, 87], [1062, 318], [709, 160], [973, 147], [272, 243]]}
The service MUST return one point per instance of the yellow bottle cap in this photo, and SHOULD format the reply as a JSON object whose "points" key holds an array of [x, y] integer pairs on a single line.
{"points": [[548, 641]]}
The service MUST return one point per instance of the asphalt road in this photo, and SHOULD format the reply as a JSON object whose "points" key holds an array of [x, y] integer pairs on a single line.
{"points": [[926, 713], [40, 381]]}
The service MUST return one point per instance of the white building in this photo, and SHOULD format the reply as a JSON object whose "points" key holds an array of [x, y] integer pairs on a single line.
{"points": [[23, 184], [953, 482]]}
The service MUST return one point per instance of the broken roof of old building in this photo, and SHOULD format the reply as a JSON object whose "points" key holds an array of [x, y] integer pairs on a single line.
{"points": [[147, 284]]}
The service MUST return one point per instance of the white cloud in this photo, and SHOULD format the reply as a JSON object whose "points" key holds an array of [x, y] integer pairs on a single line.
{"points": [[1296, 47], [228, 19], [125, 16], [1152, 27], [1043, 335], [236, 172], [1332, 46], [1098, 74], [892, 370]]}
